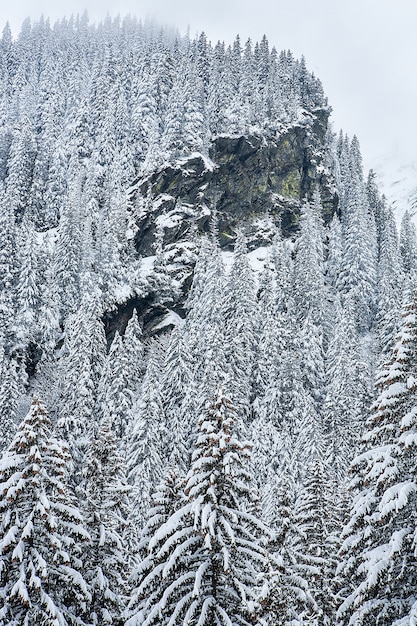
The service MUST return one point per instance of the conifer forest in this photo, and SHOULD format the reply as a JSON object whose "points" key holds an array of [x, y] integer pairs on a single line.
{"points": [[208, 341]]}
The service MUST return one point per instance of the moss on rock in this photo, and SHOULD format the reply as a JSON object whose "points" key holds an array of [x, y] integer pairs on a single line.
{"points": [[291, 184]]}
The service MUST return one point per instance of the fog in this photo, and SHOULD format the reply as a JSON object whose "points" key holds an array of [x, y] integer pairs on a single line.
{"points": [[364, 51]]}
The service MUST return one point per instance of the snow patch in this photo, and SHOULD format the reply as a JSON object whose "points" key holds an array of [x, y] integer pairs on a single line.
{"points": [[146, 265], [169, 220], [258, 257], [209, 165], [170, 319]]}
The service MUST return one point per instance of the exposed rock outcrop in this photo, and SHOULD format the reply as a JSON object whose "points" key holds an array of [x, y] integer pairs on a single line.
{"points": [[246, 177]]}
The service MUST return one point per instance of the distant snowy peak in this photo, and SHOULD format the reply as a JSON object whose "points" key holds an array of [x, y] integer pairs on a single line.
{"points": [[398, 181]]}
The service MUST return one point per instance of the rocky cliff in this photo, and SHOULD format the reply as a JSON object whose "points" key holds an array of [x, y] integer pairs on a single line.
{"points": [[245, 179]]}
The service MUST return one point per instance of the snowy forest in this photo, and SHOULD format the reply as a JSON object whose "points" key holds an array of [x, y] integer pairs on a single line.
{"points": [[208, 341]]}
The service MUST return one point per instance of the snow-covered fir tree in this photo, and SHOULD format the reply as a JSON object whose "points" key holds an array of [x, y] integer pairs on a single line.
{"points": [[379, 539], [105, 504], [146, 443], [42, 530], [205, 562]]}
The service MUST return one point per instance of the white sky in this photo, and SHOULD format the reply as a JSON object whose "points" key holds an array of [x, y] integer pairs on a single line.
{"points": [[364, 51]]}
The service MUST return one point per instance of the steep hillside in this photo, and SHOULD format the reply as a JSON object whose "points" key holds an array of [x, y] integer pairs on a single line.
{"points": [[199, 286]]}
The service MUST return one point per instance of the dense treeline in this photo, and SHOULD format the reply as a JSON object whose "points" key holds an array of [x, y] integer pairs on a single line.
{"points": [[229, 471]]}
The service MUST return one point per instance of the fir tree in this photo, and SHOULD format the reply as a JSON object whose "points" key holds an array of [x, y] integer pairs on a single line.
{"points": [[358, 275], [315, 543], [309, 265], [27, 291], [379, 539], [390, 282], [335, 252], [408, 248], [42, 531], [20, 167], [85, 347], [9, 398], [286, 596], [204, 563], [106, 509], [345, 394], [116, 388], [147, 440], [179, 403], [240, 313]]}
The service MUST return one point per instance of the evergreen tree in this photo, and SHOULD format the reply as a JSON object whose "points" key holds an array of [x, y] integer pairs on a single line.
{"points": [[172, 140], [390, 282], [9, 397], [116, 387], [300, 398], [377, 205], [8, 268], [379, 538], [204, 563], [145, 119], [205, 327], [240, 313], [85, 346], [133, 351], [315, 543], [195, 126], [146, 441], [286, 596], [309, 265], [7, 245], [27, 289], [42, 531], [408, 248], [335, 252], [270, 333], [358, 275], [309, 344], [106, 509], [67, 258], [179, 403], [20, 167], [345, 394], [166, 499]]}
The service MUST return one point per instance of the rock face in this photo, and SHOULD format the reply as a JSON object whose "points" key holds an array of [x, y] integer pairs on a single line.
{"points": [[246, 177]]}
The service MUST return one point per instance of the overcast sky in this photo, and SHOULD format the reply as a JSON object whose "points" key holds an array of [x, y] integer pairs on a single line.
{"points": [[364, 51]]}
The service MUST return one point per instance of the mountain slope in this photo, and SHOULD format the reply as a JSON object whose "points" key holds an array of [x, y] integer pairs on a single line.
{"points": [[189, 258]]}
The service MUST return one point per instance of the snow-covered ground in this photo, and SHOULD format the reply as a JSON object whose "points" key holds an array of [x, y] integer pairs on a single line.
{"points": [[256, 257]]}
